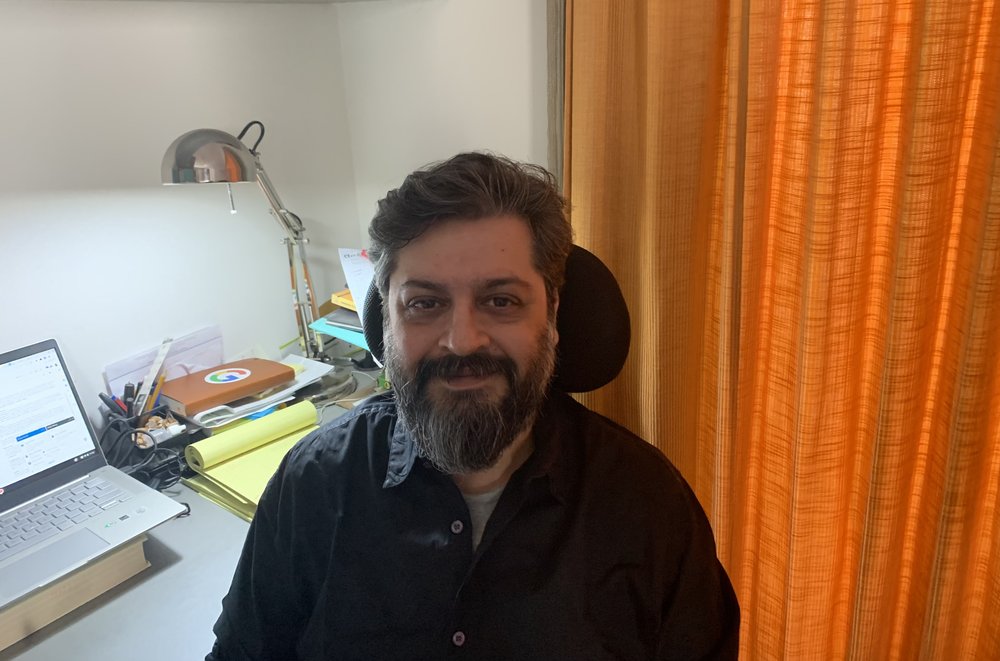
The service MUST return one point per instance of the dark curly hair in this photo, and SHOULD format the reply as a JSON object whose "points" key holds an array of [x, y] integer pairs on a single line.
{"points": [[473, 186]]}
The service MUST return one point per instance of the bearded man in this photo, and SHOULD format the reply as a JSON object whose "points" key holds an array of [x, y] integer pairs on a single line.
{"points": [[475, 511]]}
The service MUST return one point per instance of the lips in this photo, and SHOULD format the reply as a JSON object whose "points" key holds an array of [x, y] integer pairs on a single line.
{"points": [[465, 373], [468, 380], [460, 373]]}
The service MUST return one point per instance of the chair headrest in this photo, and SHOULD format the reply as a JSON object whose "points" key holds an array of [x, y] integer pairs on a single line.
{"points": [[593, 324]]}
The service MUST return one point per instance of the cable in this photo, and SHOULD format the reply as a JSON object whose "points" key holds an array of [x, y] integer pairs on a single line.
{"points": [[156, 467], [171, 463], [253, 150]]}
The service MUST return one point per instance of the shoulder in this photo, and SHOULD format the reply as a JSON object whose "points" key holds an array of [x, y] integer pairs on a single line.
{"points": [[604, 441], [616, 467], [367, 423], [341, 460], [347, 452]]}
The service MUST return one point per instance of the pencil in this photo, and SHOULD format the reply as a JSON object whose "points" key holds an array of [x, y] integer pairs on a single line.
{"points": [[151, 402]]}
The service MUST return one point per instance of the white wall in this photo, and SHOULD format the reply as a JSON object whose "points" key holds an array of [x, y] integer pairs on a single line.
{"points": [[93, 250], [426, 79]]}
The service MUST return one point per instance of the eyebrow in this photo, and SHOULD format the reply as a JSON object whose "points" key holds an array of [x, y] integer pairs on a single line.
{"points": [[492, 283]]}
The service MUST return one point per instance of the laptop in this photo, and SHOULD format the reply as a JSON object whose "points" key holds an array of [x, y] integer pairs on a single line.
{"points": [[61, 504]]}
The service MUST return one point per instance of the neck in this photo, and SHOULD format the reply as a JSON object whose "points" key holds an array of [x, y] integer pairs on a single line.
{"points": [[497, 475]]}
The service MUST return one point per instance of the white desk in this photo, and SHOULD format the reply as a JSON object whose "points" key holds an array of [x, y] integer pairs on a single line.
{"points": [[165, 612]]}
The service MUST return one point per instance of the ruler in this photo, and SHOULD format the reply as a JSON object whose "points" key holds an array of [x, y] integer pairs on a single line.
{"points": [[150, 381]]}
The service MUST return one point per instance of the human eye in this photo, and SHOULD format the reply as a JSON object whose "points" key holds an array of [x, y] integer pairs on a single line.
{"points": [[502, 302], [423, 305]]}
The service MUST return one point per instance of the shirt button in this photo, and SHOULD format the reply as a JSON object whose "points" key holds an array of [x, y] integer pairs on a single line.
{"points": [[458, 638], [457, 527]]}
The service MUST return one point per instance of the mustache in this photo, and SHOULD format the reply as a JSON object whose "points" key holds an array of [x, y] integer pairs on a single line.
{"points": [[476, 364]]}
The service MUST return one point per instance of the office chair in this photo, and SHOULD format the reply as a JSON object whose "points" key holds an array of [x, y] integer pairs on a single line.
{"points": [[593, 324]]}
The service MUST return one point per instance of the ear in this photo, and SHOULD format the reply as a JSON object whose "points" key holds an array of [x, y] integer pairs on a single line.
{"points": [[553, 326]]}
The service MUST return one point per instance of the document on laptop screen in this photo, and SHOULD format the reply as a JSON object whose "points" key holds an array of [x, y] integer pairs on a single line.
{"points": [[41, 424]]}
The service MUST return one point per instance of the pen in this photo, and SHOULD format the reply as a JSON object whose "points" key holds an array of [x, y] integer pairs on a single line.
{"points": [[112, 405], [128, 396], [120, 404]]}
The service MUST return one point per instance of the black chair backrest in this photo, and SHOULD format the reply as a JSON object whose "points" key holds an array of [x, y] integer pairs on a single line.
{"points": [[593, 324]]}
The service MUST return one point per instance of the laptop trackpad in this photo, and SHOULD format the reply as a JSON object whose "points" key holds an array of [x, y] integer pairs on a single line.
{"points": [[47, 563]]}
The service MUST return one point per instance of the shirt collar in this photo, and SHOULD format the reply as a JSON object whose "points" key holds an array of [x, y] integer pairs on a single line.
{"points": [[549, 433], [402, 455], [549, 436]]}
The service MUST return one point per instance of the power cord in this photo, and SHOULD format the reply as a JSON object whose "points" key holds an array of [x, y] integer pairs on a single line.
{"points": [[157, 467], [163, 473]]}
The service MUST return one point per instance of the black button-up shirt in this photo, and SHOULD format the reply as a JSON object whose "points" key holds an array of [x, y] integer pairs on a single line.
{"points": [[597, 549]]}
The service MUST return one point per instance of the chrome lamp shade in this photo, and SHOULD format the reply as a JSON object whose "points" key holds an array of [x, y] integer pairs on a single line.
{"points": [[210, 156]]}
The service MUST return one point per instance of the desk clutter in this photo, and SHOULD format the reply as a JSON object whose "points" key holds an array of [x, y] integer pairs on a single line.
{"points": [[223, 431], [343, 321]]}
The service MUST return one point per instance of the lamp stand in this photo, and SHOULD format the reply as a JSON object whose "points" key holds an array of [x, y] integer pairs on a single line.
{"points": [[295, 243]]}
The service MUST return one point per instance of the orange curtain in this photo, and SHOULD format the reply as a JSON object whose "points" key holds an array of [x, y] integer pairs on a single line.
{"points": [[801, 200]]}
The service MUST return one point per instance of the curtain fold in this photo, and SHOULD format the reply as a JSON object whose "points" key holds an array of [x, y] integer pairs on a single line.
{"points": [[801, 201]]}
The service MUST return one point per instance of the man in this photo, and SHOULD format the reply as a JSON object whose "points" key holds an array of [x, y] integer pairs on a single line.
{"points": [[476, 512]]}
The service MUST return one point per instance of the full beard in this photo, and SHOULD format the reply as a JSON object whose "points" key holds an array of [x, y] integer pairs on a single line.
{"points": [[465, 432]]}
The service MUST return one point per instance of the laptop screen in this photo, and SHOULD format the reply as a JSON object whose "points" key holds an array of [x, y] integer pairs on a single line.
{"points": [[42, 427]]}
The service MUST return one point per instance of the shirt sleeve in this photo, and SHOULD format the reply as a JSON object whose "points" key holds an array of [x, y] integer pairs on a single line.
{"points": [[702, 617], [264, 612]]}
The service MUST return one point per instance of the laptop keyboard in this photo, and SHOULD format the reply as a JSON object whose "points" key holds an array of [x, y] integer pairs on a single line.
{"points": [[47, 517]]}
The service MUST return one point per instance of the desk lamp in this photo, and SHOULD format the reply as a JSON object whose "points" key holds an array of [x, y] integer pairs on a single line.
{"points": [[209, 156]]}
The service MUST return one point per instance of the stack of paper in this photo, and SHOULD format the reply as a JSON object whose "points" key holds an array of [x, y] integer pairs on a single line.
{"points": [[234, 466], [359, 273]]}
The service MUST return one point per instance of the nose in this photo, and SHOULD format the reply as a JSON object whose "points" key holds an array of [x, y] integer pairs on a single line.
{"points": [[465, 334]]}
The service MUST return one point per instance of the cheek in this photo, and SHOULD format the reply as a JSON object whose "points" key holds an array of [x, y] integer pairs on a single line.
{"points": [[412, 344], [523, 345]]}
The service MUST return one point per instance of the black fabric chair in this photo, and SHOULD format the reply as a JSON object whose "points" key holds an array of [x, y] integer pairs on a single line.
{"points": [[593, 324]]}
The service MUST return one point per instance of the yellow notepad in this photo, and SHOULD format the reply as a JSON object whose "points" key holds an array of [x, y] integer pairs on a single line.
{"points": [[234, 466], [221, 497]]}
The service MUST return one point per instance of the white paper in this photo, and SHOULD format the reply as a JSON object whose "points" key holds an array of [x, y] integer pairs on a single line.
{"points": [[195, 351], [359, 272]]}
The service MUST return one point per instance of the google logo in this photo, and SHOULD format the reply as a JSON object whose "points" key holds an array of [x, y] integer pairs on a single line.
{"points": [[228, 375]]}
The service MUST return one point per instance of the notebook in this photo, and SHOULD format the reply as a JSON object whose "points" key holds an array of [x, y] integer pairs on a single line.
{"points": [[200, 391], [61, 504]]}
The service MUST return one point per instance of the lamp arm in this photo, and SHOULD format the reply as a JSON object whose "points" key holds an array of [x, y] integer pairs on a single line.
{"points": [[292, 225], [305, 313]]}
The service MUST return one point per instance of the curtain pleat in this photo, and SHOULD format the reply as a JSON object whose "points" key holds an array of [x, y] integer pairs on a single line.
{"points": [[801, 201]]}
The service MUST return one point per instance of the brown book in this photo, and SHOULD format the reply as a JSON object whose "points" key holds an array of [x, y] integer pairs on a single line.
{"points": [[48, 604], [200, 391]]}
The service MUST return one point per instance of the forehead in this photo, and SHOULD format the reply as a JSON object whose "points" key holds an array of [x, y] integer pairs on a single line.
{"points": [[464, 252]]}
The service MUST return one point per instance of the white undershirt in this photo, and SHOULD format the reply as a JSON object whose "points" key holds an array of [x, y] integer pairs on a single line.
{"points": [[481, 506]]}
